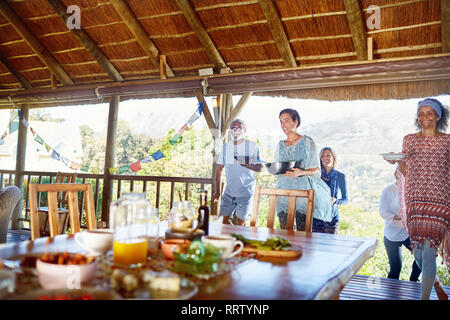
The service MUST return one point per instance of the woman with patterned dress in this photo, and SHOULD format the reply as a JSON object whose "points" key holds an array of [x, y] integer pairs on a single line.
{"points": [[302, 149], [335, 181], [427, 191]]}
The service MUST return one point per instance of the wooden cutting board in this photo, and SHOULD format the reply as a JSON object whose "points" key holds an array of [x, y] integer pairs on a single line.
{"points": [[294, 252]]}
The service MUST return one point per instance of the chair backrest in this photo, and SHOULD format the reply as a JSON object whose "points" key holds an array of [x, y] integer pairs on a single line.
{"points": [[64, 177], [52, 190], [292, 194]]}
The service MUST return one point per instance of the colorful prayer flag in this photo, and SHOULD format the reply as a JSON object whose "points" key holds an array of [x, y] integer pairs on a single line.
{"points": [[39, 139], [2, 141], [135, 167], [113, 170], [196, 114], [32, 131], [146, 160], [123, 169], [74, 166], [174, 139], [55, 155], [65, 160], [84, 168], [157, 155], [48, 147]]}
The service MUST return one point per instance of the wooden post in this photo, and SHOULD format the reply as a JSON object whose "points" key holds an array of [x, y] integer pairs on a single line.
{"points": [[369, 48], [110, 155], [162, 67], [20, 167]]}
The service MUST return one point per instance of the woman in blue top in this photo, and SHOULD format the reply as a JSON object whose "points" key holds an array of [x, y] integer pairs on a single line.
{"points": [[336, 181], [302, 149]]}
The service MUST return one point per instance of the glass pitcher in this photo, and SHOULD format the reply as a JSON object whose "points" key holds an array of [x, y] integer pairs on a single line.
{"points": [[131, 217], [181, 217]]}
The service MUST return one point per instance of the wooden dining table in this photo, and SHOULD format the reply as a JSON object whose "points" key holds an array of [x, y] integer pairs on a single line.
{"points": [[326, 264]]}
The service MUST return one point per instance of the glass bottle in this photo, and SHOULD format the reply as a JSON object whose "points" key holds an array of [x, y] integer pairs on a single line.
{"points": [[131, 217], [203, 212]]}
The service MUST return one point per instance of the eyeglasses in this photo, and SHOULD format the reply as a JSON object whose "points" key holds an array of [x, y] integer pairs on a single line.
{"points": [[235, 128]]}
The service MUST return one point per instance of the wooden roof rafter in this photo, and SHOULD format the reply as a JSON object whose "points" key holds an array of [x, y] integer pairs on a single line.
{"points": [[201, 33], [23, 82], [355, 21], [87, 42], [35, 44], [281, 40], [141, 35]]}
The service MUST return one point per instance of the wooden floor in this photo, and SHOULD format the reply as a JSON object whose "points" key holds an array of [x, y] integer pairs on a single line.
{"points": [[373, 288]]}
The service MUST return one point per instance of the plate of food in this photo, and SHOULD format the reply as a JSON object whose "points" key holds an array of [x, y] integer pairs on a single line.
{"points": [[275, 247], [392, 156], [152, 285]]}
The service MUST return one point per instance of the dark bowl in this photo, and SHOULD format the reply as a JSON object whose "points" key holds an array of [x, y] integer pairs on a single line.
{"points": [[279, 167], [187, 236]]}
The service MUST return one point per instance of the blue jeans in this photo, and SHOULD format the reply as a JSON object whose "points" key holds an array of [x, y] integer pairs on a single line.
{"points": [[394, 252], [425, 256]]}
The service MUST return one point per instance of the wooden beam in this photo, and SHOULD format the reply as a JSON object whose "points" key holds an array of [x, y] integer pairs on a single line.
{"points": [[110, 155], [445, 25], [201, 33], [87, 42], [163, 66], [206, 112], [355, 21], [140, 34], [281, 40], [369, 48], [23, 82], [20, 167], [34, 43]]}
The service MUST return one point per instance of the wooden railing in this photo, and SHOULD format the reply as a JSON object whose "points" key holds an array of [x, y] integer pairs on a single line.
{"points": [[158, 197]]}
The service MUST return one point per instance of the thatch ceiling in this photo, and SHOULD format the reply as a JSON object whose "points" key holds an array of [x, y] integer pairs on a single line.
{"points": [[125, 40]]}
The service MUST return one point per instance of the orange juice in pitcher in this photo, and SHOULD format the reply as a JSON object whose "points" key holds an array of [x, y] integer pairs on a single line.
{"points": [[131, 218], [130, 252]]}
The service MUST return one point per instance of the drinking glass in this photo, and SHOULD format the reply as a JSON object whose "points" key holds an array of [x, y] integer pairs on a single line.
{"points": [[215, 225], [132, 214]]}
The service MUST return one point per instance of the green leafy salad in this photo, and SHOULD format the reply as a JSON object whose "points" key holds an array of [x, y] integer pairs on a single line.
{"points": [[273, 243]]}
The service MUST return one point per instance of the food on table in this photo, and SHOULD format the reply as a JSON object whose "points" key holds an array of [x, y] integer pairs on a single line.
{"points": [[272, 243], [84, 296], [164, 280], [198, 259], [121, 279], [28, 262], [66, 258]]}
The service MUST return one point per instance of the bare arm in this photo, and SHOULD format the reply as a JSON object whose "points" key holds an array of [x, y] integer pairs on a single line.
{"points": [[296, 172], [254, 167]]}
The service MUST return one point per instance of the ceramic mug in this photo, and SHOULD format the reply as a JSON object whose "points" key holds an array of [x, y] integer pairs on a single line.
{"points": [[96, 242], [225, 243]]}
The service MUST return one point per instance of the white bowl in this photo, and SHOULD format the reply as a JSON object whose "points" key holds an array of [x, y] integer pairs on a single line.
{"points": [[393, 156], [65, 276]]}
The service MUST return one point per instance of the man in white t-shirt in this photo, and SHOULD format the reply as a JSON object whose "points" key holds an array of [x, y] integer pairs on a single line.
{"points": [[240, 158], [395, 234]]}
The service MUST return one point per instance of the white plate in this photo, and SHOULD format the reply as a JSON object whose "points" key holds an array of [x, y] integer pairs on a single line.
{"points": [[393, 156]]}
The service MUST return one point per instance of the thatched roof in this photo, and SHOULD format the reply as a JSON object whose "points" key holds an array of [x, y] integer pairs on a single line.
{"points": [[127, 40]]}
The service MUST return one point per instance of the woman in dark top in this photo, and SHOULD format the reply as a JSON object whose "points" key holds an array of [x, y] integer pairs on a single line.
{"points": [[336, 181]]}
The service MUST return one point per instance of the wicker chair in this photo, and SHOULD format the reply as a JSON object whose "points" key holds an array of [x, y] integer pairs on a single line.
{"points": [[9, 196]]}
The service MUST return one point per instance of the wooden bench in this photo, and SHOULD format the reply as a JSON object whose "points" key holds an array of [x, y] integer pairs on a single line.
{"points": [[362, 287]]}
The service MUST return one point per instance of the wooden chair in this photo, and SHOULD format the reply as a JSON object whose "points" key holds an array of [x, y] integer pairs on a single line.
{"points": [[292, 194], [63, 212], [52, 190]]}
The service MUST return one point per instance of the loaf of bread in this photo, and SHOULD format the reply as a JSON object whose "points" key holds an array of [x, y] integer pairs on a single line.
{"points": [[164, 280]]}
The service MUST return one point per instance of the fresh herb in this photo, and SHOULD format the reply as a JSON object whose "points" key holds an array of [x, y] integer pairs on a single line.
{"points": [[273, 243]]}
